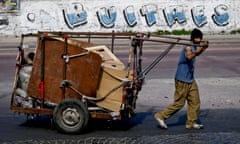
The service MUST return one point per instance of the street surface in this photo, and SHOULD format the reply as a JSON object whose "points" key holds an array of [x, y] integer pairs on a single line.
{"points": [[218, 77]]}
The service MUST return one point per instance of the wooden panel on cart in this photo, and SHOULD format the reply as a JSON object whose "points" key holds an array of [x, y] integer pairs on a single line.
{"points": [[111, 83], [109, 59], [112, 67], [83, 71], [106, 116], [32, 110]]}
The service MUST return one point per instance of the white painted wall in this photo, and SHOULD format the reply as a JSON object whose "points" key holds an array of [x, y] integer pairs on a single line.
{"points": [[85, 16]]}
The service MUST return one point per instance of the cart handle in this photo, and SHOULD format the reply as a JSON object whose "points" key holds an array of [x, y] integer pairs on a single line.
{"points": [[67, 58]]}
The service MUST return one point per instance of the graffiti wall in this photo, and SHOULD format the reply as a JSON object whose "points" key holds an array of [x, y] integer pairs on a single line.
{"points": [[211, 16]]}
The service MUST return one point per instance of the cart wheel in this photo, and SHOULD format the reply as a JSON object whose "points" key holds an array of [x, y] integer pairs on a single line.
{"points": [[70, 116]]}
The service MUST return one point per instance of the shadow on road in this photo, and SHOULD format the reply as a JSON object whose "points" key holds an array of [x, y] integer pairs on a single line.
{"points": [[218, 120]]}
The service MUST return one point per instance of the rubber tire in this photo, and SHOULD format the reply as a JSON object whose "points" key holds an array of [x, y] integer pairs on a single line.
{"points": [[71, 107]]}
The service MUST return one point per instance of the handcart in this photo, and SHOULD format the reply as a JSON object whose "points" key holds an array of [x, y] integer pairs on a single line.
{"points": [[73, 80]]}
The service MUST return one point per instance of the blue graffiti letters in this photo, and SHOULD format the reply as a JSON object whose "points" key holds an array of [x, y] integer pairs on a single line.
{"points": [[173, 14], [75, 15], [130, 16], [107, 17], [198, 16], [221, 16], [148, 11]]}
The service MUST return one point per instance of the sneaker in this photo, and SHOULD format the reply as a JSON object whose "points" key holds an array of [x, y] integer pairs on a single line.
{"points": [[194, 126], [161, 122]]}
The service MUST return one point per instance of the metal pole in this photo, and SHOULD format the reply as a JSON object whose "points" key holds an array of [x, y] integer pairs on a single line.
{"points": [[167, 41], [42, 83], [113, 38], [156, 61]]}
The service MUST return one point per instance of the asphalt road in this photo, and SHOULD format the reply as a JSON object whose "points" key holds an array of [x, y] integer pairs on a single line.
{"points": [[218, 76]]}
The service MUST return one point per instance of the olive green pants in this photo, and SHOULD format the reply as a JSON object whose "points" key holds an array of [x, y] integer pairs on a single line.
{"points": [[184, 92]]}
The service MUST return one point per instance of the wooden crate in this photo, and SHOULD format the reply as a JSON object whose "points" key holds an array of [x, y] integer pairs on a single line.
{"points": [[83, 72]]}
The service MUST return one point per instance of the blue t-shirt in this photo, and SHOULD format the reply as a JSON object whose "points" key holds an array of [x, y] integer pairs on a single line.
{"points": [[185, 69]]}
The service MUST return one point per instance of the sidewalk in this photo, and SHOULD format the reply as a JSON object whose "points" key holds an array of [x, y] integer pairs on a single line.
{"points": [[215, 92], [13, 42]]}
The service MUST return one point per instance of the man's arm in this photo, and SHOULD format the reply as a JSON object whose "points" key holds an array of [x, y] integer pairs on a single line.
{"points": [[190, 55]]}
